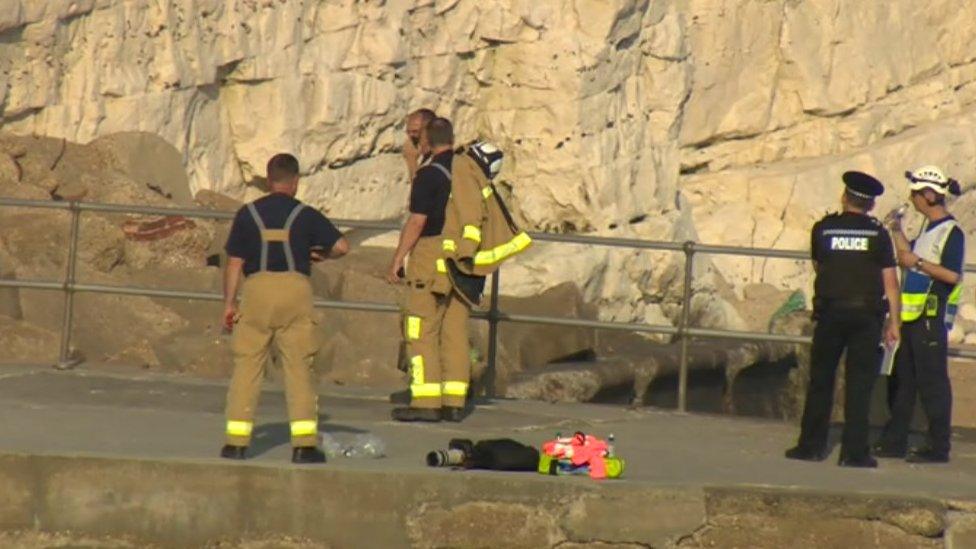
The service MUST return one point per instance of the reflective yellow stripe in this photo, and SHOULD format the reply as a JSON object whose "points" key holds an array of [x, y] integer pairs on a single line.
{"points": [[417, 386], [472, 233], [420, 390], [449, 245], [455, 388], [503, 251], [417, 370], [304, 427], [413, 327], [913, 300], [955, 295], [912, 306], [239, 428], [486, 192], [441, 266]]}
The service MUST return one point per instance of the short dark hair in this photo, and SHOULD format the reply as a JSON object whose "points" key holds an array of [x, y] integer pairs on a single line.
{"points": [[425, 114], [859, 202], [440, 132], [282, 167]]}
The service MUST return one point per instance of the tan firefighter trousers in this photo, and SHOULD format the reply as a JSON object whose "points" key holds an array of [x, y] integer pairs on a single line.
{"points": [[436, 331], [276, 307]]}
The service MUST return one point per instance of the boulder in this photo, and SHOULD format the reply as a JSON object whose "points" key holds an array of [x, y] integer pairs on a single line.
{"points": [[24, 342]]}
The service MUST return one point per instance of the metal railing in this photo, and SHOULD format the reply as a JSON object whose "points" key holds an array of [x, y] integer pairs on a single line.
{"points": [[70, 286]]}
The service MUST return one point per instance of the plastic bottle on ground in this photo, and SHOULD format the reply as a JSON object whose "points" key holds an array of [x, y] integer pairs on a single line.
{"points": [[330, 445], [365, 445]]}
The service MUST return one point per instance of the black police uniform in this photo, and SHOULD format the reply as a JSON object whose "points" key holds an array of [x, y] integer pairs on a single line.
{"points": [[850, 251]]}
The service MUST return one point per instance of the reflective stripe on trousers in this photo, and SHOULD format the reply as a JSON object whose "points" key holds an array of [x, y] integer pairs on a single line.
{"points": [[412, 328], [239, 428], [418, 387], [454, 388], [304, 428]]}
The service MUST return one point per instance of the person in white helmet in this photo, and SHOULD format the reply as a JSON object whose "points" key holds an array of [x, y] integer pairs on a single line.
{"points": [[931, 287]]}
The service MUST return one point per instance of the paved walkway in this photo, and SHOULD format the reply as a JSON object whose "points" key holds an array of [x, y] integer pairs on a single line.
{"points": [[99, 411]]}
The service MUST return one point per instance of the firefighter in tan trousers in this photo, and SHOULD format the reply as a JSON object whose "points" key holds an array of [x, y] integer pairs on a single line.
{"points": [[464, 237], [435, 321], [273, 242]]}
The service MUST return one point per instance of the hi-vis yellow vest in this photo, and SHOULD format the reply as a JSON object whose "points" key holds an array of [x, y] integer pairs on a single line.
{"points": [[916, 299], [478, 232]]}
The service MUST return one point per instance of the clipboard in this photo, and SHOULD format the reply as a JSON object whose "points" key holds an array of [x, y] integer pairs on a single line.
{"points": [[888, 360]]}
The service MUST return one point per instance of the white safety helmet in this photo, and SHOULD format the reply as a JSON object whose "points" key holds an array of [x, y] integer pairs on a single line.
{"points": [[488, 156], [928, 177]]}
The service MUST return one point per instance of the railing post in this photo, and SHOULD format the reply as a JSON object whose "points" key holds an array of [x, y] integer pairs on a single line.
{"points": [[689, 249], [65, 361], [490, 368]]}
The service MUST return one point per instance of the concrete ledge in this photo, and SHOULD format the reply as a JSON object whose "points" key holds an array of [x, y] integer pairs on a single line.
{"points": [[184, 503]]}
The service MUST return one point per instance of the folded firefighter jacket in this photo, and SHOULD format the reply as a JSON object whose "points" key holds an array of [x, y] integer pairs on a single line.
{"points": [[479, 232]]}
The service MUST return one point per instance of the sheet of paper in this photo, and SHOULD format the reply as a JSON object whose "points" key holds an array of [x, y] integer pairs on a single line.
{"points": [[888, 360]]}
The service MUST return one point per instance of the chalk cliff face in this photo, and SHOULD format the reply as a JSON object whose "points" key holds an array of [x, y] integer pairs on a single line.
{"points": [[726, 121]]}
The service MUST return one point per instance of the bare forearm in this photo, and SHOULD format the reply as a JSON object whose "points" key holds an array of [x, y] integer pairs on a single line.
{"points": [[232, 279], [900, 241], [892, 293], [339, 249], [940, 273], [410, 234]]}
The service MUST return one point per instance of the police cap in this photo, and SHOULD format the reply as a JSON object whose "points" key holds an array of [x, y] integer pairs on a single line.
{"points": [[862, 185]]}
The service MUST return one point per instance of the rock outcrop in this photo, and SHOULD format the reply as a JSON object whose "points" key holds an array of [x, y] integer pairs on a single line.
{"points": [[719, 120]]}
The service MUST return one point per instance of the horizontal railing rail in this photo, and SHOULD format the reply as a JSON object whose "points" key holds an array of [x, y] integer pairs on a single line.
{"points": [[493, 315]]}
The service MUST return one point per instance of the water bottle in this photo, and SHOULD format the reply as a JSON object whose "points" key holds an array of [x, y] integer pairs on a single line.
{"points": [[330, 445], [610, 450], [365, 445], [900, 211]]}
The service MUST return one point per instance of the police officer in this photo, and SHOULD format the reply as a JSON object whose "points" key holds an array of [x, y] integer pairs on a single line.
{"points": [[273, 241], [931, 288], [855, 266], [435, 320]]}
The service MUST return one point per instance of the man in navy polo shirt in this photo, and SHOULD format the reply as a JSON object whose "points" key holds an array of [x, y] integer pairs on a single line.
{"points": [[273, 242]]}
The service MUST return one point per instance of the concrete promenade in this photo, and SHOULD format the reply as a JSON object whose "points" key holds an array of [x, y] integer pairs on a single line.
{"points": [[104, 451]]}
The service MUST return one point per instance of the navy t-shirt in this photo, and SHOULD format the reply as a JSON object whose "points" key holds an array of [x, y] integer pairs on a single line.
{"points": [[429, 193], [310, 229], [953, 256]]}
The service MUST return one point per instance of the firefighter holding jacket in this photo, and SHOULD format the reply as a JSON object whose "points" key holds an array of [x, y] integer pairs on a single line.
{"points": [[458, 231]]}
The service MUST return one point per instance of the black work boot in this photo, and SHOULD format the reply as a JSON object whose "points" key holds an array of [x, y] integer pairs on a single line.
{"points": [[864, 462], [453, 413], [229, 451], [798, 452], [926, 455], [416, 414], [307, 454], [881, 450], [400, 397]]}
